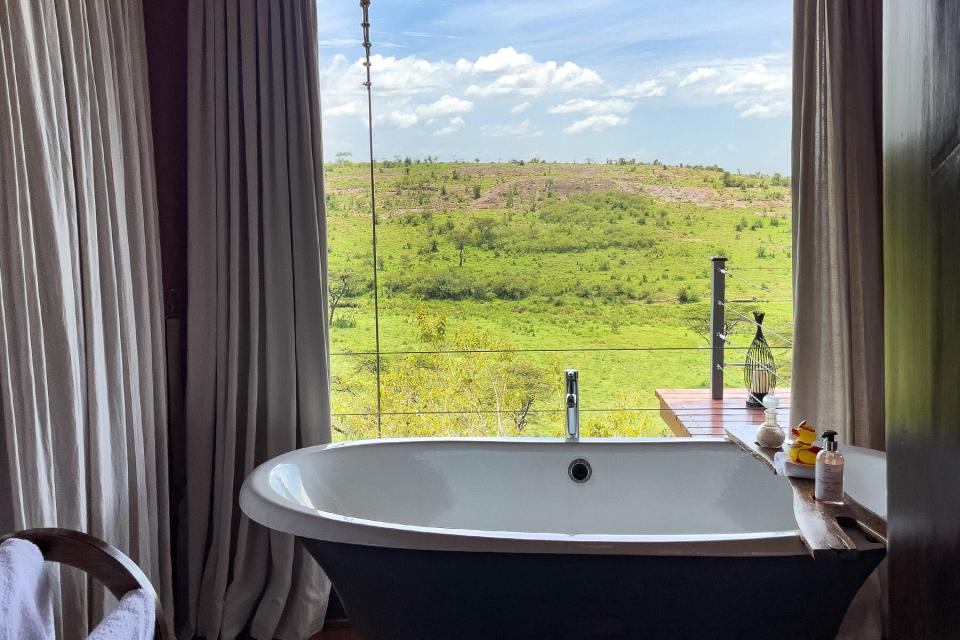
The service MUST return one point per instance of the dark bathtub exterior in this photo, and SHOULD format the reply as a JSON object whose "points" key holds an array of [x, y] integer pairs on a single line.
{"points": [[400, 594]]}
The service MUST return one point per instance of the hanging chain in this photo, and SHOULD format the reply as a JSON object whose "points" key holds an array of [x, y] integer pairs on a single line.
{"points": [[365, 7]]}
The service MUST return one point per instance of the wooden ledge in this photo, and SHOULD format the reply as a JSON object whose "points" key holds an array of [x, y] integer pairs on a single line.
{"points": [[821, 525]]}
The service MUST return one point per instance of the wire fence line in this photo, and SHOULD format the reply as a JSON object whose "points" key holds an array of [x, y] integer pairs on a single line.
{"points": [[730, 274], [459, 412], [765, 329], [704, 348], [779, 379]]}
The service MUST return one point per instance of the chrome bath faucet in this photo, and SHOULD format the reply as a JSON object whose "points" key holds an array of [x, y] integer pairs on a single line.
{"points": [[573, 404]]}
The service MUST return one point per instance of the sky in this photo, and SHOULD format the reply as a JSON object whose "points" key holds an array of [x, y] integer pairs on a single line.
{"points": [[681, 81]]}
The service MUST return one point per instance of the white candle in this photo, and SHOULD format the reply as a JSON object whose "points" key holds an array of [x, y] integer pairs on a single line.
{"points": [[760, 383]]}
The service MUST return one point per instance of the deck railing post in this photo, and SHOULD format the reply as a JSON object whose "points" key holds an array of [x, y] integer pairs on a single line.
{"points": [[717, 337]]}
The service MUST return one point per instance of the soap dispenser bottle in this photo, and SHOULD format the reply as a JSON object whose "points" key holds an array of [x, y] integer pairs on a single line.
{"points": [[829, 471]]}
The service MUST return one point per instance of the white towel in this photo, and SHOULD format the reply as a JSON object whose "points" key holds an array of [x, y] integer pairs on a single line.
{"points": [[26, 608], [133, 618], [783, 466]]}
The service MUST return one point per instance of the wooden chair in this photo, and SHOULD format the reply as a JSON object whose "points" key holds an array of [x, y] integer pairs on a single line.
{"points": [[103, 562]]}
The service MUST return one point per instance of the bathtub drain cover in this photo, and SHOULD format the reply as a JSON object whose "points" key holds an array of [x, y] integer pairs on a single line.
{"points": [[579, 470]]}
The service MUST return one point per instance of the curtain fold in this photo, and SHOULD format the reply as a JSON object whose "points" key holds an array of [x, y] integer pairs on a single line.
{"points": [[838, 380], [82, 373], [257, 353]]}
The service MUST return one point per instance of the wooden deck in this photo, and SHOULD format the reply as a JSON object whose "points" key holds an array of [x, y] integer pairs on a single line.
{"points": [[692, 412]]}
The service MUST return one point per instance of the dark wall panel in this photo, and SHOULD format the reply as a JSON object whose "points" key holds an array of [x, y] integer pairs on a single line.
{"points": [[922, 271], [165, 23], [165, 26]]}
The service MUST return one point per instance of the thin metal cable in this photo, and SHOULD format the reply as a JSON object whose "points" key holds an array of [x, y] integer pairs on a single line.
{"points": [[756, 300], [365, 7], [705, 348], [755, 268], [779, 377], [457, 412], [729, 273], [752, 321]]}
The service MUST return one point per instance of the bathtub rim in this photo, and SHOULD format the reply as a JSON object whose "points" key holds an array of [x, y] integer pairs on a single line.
{"points": [[265, 506]]}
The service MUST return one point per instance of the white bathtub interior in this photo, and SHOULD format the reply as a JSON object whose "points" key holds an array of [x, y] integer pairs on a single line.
{"points": [[654, 487]]}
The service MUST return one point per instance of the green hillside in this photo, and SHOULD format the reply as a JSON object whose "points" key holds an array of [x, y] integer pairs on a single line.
{"points": [[542, 256]]}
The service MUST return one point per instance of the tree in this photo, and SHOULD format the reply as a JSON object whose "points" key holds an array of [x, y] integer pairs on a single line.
{"points": [[343, 157], [698, 321], [341, 284], [461, 238], [483, 231]]}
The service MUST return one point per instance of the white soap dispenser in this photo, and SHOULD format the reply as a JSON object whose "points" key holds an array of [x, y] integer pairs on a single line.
{"points": [[829, 471], [770, 435]]}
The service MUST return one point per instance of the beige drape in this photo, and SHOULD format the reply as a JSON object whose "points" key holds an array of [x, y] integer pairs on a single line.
{"points": [[838, 378], [82, 386], [257, 361]]}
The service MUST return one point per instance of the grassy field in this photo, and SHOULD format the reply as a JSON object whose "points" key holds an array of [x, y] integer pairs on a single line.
{"points": [[563, 262]]}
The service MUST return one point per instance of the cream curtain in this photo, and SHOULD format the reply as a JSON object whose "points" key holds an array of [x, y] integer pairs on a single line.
{"points": [[837, 222], [257, 361], [82, 386]]}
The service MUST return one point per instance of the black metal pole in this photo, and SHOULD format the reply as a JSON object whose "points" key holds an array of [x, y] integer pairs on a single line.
{"points": [[365, 6], [717, 322]]}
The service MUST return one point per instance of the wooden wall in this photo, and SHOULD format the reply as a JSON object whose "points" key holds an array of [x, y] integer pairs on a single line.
{"points": [[922, 313]]}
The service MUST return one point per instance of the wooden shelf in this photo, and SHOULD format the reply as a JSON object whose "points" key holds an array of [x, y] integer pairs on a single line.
{"points": [[693, 412], [821, 525]]}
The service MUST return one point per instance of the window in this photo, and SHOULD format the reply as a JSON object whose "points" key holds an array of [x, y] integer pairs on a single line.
{"points": [[551, 182]]}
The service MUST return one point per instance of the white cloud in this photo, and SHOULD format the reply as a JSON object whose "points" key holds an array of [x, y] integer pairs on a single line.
{"points": [[390, 75], [505, 71], [756, 87], [520, 108], [521, 73], [758, 78], [454, 125], [396, 119], [582, 105], [403, 115], [645, 89], [421, 34], [447, 104], [352, 108], [596, 123], [338, 42], [522, 129], [766, 110], [504, 59], [698, 74]]}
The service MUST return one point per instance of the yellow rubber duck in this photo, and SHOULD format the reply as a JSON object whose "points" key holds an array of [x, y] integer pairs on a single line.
{"points": [[802, 450]]}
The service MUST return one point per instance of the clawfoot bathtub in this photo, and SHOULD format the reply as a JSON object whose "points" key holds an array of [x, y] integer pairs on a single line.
{"points": [[459, 539]]}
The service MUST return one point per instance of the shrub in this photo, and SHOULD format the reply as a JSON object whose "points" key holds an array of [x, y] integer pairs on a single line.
{"points": [[685, 296], [343, 322], [457, 284]]}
